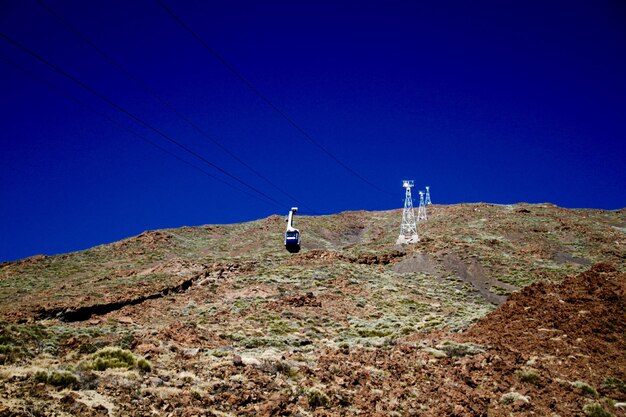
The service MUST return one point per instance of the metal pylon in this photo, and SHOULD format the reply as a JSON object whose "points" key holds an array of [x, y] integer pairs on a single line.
{"points": [[408, 229], [421, 211], [428, 202]]}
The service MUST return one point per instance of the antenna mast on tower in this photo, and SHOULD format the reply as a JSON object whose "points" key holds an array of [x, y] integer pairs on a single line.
{"points": [[428, 202], [408, 229], [421, 211]]}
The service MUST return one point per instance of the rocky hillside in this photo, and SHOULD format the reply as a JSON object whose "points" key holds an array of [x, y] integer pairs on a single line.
{"points": [[221, 320]]}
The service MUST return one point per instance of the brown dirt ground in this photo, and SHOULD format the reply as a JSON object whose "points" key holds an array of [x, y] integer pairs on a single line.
{"points": [[540, 341]]}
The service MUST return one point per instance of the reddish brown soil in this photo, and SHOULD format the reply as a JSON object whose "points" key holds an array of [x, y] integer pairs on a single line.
{"points": [[561, 333], [308, 299], [573, 331]]}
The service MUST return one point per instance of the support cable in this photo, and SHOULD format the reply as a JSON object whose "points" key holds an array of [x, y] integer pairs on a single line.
{"points": [[132, 115], [262, 96], [147, 89], [127, 129]]}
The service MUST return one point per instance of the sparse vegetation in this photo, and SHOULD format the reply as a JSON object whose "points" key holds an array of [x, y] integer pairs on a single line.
{"points": [[58, 378], [346, 326], [595, 410], [435, 353], [456, 349], [10, 354], [511, 397], [585, 388], [277, 367], [144, 365], [317, 398], [219, 353], [373, 332], [530, 376], [614, 383]]}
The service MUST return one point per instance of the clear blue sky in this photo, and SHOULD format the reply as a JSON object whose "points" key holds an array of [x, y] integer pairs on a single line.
{"points": [[484, 101]]}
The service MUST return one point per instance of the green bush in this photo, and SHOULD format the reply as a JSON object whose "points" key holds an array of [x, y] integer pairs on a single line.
{"points": [[529, 375], [10, 354], [113, 357], [511, 397], [41, 376], [595, 410], [62, 378], [57, 378], [144, 365], [219, 353], [317, 398], [585, 388], [614, 382]]}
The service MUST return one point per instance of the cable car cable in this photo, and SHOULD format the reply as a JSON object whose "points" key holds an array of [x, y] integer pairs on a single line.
{"points": [[163, 101], [132, 115], [127, 129], [262, 96]]}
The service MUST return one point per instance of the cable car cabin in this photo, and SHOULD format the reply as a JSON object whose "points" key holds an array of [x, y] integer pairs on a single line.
{"points": [[292, 240], [292, 235]]}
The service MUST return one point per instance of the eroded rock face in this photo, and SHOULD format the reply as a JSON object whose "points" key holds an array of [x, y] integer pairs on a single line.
{"points": [[471, 271], [419, 262]]}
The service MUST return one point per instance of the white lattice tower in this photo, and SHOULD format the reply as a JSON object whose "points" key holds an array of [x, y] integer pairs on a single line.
{"points": [[428, 202], [408, 229], [421, 211]]}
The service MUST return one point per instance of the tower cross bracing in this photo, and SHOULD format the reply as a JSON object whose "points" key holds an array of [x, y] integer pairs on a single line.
{"points": [[421, 210], [408, 229]]}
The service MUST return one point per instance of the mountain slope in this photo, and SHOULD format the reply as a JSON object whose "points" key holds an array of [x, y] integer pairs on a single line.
{"points": [[224, 308]]}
